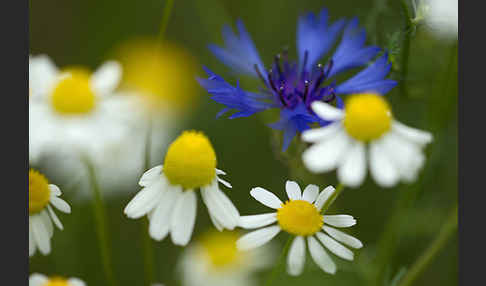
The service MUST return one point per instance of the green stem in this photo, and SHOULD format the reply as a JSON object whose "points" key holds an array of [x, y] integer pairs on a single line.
{"points": [[405, 47], [165, 19], [333, 197], [101, 227], [447, 230], [279, 263]]}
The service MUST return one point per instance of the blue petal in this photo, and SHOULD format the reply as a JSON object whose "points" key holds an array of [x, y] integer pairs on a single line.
{"points": [[352, 51], [315, 36], [246, 103], [371, 79], [239, 53]]}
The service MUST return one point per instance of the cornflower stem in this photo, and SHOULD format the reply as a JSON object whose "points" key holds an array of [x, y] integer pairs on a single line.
{"points": [[148, 257], [165, 19], [101, 225], [333, 197], [447, 230], [280, 262], [405, 47]]}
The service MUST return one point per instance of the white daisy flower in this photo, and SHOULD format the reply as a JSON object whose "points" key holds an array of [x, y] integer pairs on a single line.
{"points": [[365, 130], [300, 216], [168, 196], [37, 279], [214, 260], [42, 196], [440, 16], [73, 108]]}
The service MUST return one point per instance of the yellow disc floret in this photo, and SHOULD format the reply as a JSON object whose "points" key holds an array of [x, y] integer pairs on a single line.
{"points": [[220, 247], [190, 161], [57, 281], [39, 192], [299, 217], [73, 93], [367, 117]]}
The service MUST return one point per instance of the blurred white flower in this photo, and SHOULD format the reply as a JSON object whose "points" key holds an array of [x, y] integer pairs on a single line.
{"points": [[37, 279], [168, 196], [214, 260], [301, 217], [364, 131], [440, 16], [42, 196]]}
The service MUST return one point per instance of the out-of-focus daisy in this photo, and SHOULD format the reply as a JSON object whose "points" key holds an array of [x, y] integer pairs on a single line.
{"points": [[168, 196], [42, 196], [292, 86], [365, 130], [214, 260], [301, 217], [73, 108], [162, 73], [440, 16], [37, 279]]}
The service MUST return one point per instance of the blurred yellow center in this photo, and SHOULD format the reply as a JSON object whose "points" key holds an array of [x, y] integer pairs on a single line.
{"points": [[57, 281], [73, 94], [39, 192], [299, 217], [190, 161], [367, 117], [221, 249]]}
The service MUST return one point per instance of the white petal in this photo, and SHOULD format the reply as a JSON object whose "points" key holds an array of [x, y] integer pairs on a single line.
{"points": [[47, 222], [335, 247], [256, 221], [320, 257], [327, 111], [226, 183], [382, 169], [32, 247], [293, 190], [352, 171], [415, 135], [151, 176], [324, 196], [324, 156], [220, 206], [216, 223], [296, 256], [61, 205], [55, 191], [266, 198], [42, 75], [106, 78], [37, 279], [257, 238], [160, 218], [40, 234], [144, 201], [339, 220], [183, 218], [343, 237], [322, 133], [76, 282], [220, 172], [54, 217], [310, 193]]}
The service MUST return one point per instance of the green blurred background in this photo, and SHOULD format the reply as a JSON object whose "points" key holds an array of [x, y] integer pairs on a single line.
{"points": [[85, 32]]}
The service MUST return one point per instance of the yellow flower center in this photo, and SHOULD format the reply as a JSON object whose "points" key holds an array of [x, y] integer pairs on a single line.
{"points": [[57, 281], [39, 192], [190, 161], [221, 249], [367, 116], [73, 94], [299, 217]]}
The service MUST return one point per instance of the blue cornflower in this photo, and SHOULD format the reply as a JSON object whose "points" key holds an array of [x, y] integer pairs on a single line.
{"points": [[293, 86]]}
